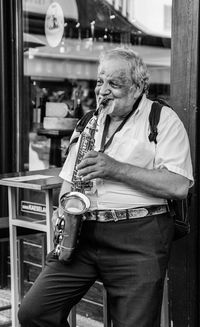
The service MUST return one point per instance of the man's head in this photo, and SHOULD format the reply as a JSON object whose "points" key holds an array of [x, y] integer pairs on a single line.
{"points": [[122, 77]]}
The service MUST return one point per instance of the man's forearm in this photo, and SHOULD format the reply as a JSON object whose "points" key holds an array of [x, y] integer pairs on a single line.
{"points": [[157, 182]]}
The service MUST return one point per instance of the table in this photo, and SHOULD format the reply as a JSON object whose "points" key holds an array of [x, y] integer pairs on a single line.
{"points": [[41, 181]]}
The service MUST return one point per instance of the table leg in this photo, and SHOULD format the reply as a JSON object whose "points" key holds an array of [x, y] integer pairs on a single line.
{"points": [[106, 313], [13, 257], [165, 305], [49, 213], [55, 152]]}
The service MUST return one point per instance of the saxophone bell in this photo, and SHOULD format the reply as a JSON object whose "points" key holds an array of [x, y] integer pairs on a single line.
{"points": [[68, 225], [75, 203]]}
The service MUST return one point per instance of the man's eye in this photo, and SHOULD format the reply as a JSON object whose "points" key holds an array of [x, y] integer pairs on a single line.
{"points": [[115, 85], [99, 82]]}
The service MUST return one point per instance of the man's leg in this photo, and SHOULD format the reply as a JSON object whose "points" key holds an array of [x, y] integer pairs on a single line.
{"points": [[133, 258], [57, 289]]}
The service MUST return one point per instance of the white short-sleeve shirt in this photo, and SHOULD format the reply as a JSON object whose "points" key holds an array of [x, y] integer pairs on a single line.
{"points": [[131, 145]]}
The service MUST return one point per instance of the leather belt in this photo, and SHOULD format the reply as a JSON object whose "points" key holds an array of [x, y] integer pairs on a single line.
{"points": [[115, 215]]}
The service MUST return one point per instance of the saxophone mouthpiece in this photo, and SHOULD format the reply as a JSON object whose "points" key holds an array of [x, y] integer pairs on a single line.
{"points": [[101, 104]]}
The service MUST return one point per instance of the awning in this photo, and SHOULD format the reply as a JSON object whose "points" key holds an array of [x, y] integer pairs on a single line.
{"points": [[104, 15], [91, 18]]}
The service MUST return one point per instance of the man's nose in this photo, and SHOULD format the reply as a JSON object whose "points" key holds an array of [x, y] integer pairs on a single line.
{"points": [[104, 88]]}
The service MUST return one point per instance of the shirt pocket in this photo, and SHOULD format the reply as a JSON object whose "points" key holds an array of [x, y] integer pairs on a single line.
{"points": [[133, 151]]}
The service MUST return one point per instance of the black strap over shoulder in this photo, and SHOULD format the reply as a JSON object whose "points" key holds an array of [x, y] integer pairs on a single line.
{"points": [[154, 118]]}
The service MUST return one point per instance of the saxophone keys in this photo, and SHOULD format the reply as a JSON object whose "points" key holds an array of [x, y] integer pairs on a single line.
{"points": [[57, 250]]}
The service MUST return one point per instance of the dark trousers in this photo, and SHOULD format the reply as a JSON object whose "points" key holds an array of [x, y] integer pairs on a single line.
{"points": [[130, 257]]}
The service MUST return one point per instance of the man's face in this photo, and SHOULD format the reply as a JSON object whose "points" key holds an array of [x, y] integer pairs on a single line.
{"points": [[114, 82]]}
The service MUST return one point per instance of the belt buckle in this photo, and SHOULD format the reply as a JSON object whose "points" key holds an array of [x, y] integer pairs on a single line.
{"points": [[114, 215]]}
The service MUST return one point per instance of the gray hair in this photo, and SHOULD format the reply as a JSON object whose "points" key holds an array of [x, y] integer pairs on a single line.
{"points": [[138, 69]]}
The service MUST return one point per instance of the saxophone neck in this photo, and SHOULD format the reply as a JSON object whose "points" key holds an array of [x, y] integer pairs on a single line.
{"points": [[91, 126]]}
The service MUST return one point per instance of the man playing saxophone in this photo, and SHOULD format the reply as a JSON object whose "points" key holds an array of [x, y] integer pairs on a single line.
{"points": [[127, 230]]}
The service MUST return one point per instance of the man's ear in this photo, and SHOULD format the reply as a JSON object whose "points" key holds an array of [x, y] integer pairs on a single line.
{"points": [[137, 90]]}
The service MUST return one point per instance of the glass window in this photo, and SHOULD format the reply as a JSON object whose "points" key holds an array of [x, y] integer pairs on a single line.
{"points": [[62, 42]]}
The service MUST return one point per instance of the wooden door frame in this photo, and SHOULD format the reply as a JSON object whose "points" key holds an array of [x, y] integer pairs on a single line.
{"points": [[184, 263]]}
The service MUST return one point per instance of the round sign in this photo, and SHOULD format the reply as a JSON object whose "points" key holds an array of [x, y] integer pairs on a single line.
{"points": [[54, 24]]}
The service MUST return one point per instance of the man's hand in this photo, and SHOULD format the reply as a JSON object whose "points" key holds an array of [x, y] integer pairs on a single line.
{"points": [[97, 165]]}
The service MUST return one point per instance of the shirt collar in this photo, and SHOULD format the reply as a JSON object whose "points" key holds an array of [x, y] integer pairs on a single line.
{"points": [[141, 105]]}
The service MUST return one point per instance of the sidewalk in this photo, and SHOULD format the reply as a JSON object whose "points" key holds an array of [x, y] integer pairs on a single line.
{"points": [[4, 301]]}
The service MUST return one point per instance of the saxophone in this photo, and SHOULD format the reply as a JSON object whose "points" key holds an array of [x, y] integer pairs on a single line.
{"points": [[75, 203]]}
